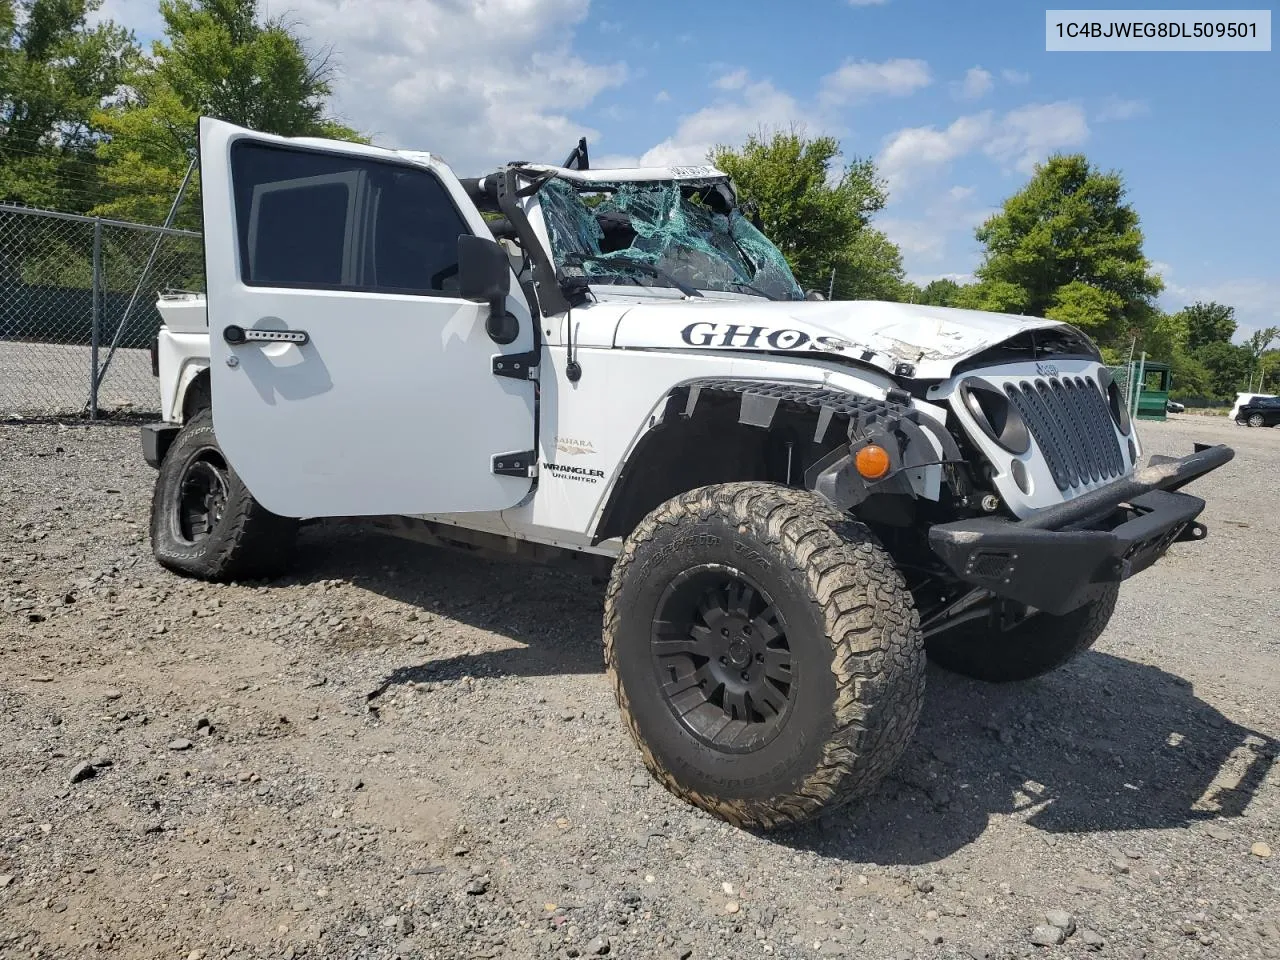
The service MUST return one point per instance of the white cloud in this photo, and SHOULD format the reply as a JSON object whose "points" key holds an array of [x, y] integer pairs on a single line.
{"points": [[1256, 299], [733, 80], [924, 279], [922, 239], [611, 161], [409, 74], [140, 16], [1029, 134], [858, 79], [915, 150], [1015, 77], [977, 84], [1018, 140], [753, 108], [662, 97], [926, 239], [1118, 108]]}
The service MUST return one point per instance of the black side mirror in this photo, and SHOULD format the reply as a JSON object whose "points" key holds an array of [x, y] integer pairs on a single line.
{"points": [[484, 275]]}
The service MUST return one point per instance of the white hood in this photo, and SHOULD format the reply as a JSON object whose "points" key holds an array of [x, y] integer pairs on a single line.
{"points": [[931, 339]]}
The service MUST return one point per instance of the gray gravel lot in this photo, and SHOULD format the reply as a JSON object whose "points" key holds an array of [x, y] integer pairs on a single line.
{"points": [[398, 751], [51, 379]]}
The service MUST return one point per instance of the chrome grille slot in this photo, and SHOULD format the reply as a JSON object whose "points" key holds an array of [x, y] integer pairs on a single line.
{"points": [[1070, 423]]}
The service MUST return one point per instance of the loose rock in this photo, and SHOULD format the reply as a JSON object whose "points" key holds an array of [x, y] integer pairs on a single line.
{"points": [[1062, 920], [1047, 935]]}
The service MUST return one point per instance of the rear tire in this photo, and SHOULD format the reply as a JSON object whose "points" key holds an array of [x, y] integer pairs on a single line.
{"points": [[1256, 420], [765, 652], [1034, 647], [204, 522]]}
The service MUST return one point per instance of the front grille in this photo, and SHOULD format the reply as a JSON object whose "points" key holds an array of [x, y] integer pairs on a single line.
{"points": [[1071, 424]]}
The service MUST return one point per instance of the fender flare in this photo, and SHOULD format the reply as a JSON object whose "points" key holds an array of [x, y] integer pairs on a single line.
{"points": [[191, 369], [865, 420]]}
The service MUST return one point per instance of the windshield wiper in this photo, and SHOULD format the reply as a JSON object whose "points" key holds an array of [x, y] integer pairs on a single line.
{"points": [[641, 265], [753, 288]]}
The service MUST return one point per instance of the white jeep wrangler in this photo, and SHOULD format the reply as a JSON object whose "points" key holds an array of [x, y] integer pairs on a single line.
{"points": [[799, 499]]}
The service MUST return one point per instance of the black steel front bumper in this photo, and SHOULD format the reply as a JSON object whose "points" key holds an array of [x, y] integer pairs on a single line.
{"points": [[156, 439], [1066, 555]]}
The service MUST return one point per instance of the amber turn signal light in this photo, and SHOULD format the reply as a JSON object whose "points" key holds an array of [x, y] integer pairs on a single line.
{"points": [[872, 461]]}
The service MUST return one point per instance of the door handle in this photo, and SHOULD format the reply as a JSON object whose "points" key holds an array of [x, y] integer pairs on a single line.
{"points": [[236, 336]]}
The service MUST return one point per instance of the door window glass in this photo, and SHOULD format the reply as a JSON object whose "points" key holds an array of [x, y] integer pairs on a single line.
{"points": [[308, 219]]}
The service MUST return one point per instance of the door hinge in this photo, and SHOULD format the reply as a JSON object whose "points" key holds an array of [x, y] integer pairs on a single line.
{"points": [[517, 366], [523, 464]]}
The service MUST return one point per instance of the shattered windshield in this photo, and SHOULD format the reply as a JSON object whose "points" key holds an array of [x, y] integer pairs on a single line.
{"points": [[662, 233]]}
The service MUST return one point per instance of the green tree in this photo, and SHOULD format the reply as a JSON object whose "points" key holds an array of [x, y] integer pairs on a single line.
{"points": [[1228, 366], [1269, 372], [1260, 340], [1257, 345], [1163, 337], [821, 225], [55, 72], [1067, 246], [218, 58], [998, 296], [1190, 377], [1208, 323], [939, 293]]}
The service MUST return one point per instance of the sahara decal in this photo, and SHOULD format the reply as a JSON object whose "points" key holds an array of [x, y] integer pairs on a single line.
{"points": [[704, 333], [580, 474], [574, 448]]}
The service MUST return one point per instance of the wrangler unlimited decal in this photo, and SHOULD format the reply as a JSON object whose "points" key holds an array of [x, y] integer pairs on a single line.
{"points": [[583, 474], [704, 333]]}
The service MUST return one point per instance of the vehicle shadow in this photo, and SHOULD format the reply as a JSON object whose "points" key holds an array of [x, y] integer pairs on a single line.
{"points": [[1103, 744], [554, 614]]}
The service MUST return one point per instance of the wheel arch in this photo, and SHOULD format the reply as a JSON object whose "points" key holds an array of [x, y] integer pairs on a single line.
{"points": [[195, 394], [798, 434]]}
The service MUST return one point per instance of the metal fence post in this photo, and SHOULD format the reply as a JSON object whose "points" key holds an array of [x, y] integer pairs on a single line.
{"points": [[58, 273], [146, 270], [95, 335]]}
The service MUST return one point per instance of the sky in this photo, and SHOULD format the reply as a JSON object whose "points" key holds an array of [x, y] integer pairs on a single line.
{"points": [[955, 100]]}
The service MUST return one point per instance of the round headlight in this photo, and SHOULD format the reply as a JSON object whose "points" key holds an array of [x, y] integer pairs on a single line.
{"points": [[996, 416], [1116, 401]]}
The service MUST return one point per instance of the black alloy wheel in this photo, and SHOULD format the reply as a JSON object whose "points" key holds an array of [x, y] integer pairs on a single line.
{"points": [[202, 495], [722, 659], [204, 521]]}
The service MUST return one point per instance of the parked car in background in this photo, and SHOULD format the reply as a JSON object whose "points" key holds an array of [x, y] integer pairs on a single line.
{"points": [[1260, 412], [1173, 406], [1241, 400]]}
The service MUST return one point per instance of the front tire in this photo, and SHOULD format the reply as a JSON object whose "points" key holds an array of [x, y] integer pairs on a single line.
{"points": [[205, 523], [1035, 646], [1256, 420], [765, 652]]}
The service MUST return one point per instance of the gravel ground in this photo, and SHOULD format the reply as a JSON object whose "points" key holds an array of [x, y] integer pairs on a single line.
{"points": [[405, 752], [50, 379]]}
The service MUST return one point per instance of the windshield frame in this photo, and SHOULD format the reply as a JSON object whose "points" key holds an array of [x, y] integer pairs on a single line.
{"points": [[689, 228]]}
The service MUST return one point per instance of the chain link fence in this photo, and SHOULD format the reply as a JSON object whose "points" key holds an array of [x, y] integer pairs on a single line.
{"points": [[77, 310]]}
